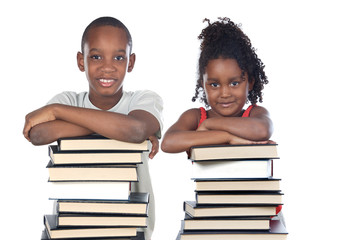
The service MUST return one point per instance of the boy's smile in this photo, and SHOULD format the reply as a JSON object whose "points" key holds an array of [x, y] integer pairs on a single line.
{"points": [[226, 87], [106, 59]]}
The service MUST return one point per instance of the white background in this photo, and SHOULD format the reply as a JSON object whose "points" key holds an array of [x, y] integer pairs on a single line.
{"points": [[296, 40]]}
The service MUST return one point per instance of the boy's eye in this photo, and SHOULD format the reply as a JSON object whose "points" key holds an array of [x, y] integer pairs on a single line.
{"points": [[95, 57], [119, 58]]}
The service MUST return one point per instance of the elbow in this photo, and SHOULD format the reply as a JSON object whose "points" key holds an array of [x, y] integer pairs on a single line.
{"points": [[264, 132], [167, 145], [37, 136], [138, 133]]}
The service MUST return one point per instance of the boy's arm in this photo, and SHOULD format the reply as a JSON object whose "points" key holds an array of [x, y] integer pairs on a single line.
{"points": [[48, 132], [257, 127], [137, 126], [182, 135]]}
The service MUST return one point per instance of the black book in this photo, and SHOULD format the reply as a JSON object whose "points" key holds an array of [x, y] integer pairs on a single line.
{"points": [[98, 142], [95, 156], [258, 184], [228, 210], [230, 152], [239, 197], [139, 236], [56, 232], [136, 205], [277, 232]]}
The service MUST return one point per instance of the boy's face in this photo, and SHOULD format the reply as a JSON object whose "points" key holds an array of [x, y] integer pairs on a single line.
{"points": [[225, 87], [106, 59]]}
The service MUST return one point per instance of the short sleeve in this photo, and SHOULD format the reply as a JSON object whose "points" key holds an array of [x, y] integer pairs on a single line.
{"points": [[66, 98], [148, 101]]}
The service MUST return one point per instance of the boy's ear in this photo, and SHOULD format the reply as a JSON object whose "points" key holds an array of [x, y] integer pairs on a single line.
{"points": [[131, 63], [80, 61]]}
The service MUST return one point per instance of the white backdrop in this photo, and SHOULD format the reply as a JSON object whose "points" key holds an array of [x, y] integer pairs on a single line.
{"points": [[296, 41]]}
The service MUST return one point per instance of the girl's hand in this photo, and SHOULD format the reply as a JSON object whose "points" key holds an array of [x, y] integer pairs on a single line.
{"points": [[234, 140], [155, 146], [41, 115]]}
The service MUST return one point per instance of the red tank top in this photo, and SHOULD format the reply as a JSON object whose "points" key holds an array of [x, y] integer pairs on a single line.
{"points": [[204, 113]]}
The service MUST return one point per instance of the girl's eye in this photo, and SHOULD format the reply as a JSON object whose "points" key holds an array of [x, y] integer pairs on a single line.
{"points": [[214, 84], [234, 84]]}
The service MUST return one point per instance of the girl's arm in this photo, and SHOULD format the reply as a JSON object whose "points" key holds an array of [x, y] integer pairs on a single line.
{"points": [[182, 135], [257, 127], [137, 126]]}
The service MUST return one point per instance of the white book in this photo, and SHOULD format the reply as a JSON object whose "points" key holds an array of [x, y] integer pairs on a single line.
{"points": [[89, 190], [232, 169]]}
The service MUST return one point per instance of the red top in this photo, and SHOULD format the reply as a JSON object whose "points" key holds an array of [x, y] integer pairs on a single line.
{"points": [[245, 114], [204, 113]]}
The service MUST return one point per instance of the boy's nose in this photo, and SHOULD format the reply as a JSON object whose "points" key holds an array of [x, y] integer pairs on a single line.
{"points": [[108, 66]]}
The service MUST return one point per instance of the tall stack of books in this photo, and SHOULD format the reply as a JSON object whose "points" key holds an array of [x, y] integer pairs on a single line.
{"points": [[236, 194], [90, 180]]}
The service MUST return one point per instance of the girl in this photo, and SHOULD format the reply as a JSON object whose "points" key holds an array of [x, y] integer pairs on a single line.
{"points": [[230, 75]]}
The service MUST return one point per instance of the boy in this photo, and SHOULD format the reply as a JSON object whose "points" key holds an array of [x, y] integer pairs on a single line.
{"points": [[106, 109]]}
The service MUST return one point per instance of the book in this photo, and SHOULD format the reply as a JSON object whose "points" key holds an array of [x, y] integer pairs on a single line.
{"points": [[90, 220], [137, 204], [226, 223], [239, 197], [269, 184], [89, 190], [139, 236], [91, 172], [228, 210], [277, 232], [98, 142], [254, 151], [55, 232], [232, 169], [95, 156]]}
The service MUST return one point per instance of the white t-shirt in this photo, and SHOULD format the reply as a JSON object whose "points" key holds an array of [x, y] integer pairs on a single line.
{"points": [[139, 100]]}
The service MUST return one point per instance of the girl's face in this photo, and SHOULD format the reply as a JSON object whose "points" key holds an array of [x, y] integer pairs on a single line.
{"points": [[226, 88]]}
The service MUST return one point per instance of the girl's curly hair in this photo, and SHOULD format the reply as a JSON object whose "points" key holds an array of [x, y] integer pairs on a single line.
{"points": [[224, 39]]}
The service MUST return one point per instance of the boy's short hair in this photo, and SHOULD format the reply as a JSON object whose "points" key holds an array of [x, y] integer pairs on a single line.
{"points": [[105, 21]]}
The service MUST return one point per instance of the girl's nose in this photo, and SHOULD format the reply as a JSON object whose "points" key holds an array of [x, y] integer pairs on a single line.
{"points": [[225, 91]]}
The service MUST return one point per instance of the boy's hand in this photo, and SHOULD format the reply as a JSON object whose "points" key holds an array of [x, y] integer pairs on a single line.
{"points": [[41, 115], [155, 146]]}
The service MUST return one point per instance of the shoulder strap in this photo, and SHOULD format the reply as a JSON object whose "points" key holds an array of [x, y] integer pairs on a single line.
{"points": [[203, 115], [247, 111]]}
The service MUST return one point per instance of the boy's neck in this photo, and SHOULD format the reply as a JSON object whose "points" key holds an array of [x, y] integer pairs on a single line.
{"points": [[105, 102]]}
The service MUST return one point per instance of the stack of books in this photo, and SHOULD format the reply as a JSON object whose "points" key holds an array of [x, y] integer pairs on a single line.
{"points": [[90, 180], [236, 194]]}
